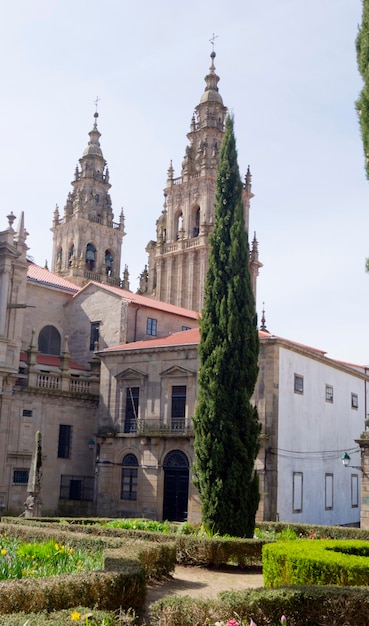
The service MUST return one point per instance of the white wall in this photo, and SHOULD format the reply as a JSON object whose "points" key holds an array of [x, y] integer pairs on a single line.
{"points": [[312, 436]]}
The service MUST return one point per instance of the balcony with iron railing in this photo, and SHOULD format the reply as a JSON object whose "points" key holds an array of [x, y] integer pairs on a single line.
{"points": [[158, 427]]}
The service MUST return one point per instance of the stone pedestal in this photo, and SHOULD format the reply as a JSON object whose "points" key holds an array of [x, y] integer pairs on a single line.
{"points": [[363, 442]]}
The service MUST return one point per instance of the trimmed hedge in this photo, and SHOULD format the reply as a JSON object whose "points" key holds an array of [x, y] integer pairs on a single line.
{"points": [[303, 606], [190, 549], [128, 565], [324, 562]]}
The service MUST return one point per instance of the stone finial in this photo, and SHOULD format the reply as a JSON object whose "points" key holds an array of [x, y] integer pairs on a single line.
{"points": [[11, 218]]}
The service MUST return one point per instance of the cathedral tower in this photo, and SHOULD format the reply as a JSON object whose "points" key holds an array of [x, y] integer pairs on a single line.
{"points": [[178, 259], [87, 242]]}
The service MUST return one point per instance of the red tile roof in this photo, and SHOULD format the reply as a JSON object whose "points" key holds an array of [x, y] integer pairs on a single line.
{"points": [[183, 338], [192, 337], [51, 360], [144, 301], [43, 276]]}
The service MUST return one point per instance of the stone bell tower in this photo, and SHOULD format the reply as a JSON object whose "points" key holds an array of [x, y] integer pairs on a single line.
{"points": [[87, 242], [178, 259]]}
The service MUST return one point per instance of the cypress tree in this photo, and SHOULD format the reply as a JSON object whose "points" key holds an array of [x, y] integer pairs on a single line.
{"points": [[226, 424], [362, 103]]}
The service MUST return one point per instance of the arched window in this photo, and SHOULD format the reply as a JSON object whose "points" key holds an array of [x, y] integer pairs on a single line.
{"points": [[196, 221], [49, 341], [179, 224], [129, 477], [108, 262], [90, 257], [70, 255]]}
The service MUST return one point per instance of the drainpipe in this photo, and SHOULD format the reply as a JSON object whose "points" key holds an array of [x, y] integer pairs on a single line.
{"points": [[136, 315]]}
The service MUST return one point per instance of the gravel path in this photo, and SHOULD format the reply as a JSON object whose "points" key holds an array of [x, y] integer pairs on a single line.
{"points": [[198, 582]]}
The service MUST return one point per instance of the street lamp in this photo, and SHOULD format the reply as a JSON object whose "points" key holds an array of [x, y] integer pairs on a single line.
{"points": [[91, 444], [345, 458]]}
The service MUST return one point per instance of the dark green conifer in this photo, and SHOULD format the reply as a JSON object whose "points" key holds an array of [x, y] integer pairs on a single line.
{"points": [[226, 424], [362, 103]]}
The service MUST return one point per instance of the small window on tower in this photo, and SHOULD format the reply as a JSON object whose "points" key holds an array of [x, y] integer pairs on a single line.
{"points": [[108, 262], [94, 335], [90, 257]]}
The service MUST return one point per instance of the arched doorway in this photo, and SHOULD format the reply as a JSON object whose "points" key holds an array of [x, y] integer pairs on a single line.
{"points": [[176, 477]]}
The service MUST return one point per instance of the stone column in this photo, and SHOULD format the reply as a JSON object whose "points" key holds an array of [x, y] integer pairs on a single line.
{"points": [[364, 449]]}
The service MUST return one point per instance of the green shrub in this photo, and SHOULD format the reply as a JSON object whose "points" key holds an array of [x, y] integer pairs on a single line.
{"points": [[324, 562]]}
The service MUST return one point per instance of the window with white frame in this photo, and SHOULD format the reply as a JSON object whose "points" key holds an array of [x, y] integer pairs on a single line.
{"points": [[298, 384], [328, 393], [297, 492], [354, 491], [328, 491], [151, 326]]}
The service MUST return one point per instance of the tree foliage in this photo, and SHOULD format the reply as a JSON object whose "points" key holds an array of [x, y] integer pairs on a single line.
{"points": [[362, 103], [226, 424]]}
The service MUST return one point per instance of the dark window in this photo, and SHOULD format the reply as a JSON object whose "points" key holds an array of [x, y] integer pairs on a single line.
{"points": [[70, 255], [94, 335], [90, 257], [178, 407], [196, 228], [151, 327], [329, 393], [77, 488], [49, 341], [64, 443], [299, 384], [27, 413], [129, 477], [108, 262], [354, 401], [20, 476], [130, 418]]}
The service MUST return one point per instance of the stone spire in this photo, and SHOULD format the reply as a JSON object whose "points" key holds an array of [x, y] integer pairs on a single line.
{"points": [[206, 129], [87, 230], [255, 264], [263, 321], [178, 259]]}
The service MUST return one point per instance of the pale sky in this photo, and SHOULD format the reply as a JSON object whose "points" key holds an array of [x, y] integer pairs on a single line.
{"points": [[288, 73]]}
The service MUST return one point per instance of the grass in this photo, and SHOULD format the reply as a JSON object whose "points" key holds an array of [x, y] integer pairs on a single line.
{"points": [[28, 560]]}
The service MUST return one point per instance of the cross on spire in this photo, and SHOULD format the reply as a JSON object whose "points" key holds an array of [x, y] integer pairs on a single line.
{"points": [[96, 102], [212, 40]]}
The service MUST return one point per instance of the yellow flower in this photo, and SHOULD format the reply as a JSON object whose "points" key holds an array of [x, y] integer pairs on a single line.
{"points": [[56, 547], [70, 550], [3, 551], [24, 572], [75, 616]]}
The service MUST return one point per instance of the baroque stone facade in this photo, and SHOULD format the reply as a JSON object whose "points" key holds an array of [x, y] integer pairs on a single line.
{"points": [[109, 378], [178, 259]]}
